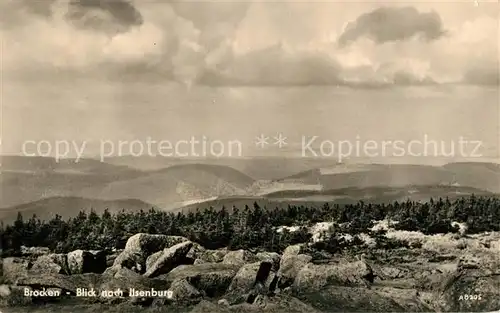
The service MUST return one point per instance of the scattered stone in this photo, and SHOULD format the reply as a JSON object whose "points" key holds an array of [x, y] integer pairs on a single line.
{"points": [[254, 278], [294, 250], [34, 251], [212, 279], [290, 266], [272, 257], [118, 271], [81, 262], [51, 264], [196, 252], [213, 256], [11, 296], [208, 307], [140, 246], [199, 261], [239, 257], [13, 268], [110, 258], [183, 292], [169, 259], [314, 277]]}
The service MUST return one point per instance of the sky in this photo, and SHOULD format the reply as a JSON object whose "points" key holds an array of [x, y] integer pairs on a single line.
{"points": [[95, 70]]}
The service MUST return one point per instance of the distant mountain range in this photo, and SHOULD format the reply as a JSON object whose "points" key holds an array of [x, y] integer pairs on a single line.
{"points": [[43, 186]]}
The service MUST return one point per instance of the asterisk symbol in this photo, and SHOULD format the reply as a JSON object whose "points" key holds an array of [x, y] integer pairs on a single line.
{"points": [[280, 140], [261, 141]]}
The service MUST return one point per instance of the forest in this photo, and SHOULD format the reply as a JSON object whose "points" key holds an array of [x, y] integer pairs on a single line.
{"points": [[253, 228]]}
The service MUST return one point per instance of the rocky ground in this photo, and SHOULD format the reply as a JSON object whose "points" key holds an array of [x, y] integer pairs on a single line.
{"points": [[446, 275]]}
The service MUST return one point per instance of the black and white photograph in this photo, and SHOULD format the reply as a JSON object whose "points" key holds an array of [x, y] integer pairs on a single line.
{"points": [[248, 156]]}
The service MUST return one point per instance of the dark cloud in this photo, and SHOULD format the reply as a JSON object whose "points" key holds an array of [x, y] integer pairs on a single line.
{"points": [[393, 24], [110, 16]]}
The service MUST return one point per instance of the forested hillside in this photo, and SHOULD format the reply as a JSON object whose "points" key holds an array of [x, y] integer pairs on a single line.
{"points": [[251, 227]]}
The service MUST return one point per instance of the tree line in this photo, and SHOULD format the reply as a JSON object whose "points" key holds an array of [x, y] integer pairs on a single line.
{"points": [[252, 227]]}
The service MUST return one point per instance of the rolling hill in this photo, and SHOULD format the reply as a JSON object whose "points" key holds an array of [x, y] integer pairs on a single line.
{"points": [[26, 179], [485, 176], [70, 207], [170, 187], [185, 183], [259, 168], [21, 164], [351, 195]]}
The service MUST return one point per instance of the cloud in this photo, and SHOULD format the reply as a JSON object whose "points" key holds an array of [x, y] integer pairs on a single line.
{"points": [[282, 65], [275, 66], [466, 55], [387, 24], [245, 44], [110, 16], [152, 40]]}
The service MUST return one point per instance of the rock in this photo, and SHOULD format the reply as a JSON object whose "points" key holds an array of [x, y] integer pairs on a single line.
{"points": [[290, 266], [213, 256], [51, 264], [223, 302], [169, 259], [183, 292], [140, 246], [118, 271], [254, 278], [272, 257], [110, 258], [149, 244], [390, 272], [196, 251], [211, 279], [470, 290], [77, 260], [262, 304], [291, 262], [129, 259], [13, 268], [151, 260], [12, 296], [4, 291], [199, 261], [260, 301], [239, 257], [314, 277], [80, 262], [208, 307], [294, 250], [111, 271], [358, 299], [34, 251]]}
